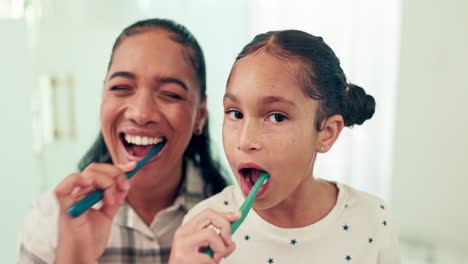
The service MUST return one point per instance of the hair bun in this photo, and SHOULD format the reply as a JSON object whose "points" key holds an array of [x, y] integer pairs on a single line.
{"points": [[359, 106]]}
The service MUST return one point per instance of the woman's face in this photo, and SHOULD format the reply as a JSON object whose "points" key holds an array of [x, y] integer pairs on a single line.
{"points": [[151, 93]]}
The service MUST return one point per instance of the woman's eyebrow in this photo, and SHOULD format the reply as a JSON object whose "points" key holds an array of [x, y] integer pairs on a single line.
{"points": [[124, 74], [172, 80]]}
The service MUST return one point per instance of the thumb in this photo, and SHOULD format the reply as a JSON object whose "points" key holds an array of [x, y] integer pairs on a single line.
{"points": [[233, 216], [127, 166]]}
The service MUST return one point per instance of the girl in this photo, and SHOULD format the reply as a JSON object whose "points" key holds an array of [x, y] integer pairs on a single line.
{"points": [[287, 100], [154, 90]]}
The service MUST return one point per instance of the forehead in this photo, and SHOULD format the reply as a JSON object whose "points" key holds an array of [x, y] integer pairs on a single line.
{"points": [[266, 72], [153, 52]]}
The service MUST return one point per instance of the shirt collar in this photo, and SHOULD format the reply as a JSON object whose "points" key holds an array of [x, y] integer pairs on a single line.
{"points": [[191, 193]]}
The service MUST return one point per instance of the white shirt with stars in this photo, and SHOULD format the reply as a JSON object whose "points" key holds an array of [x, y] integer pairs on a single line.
{"points": [[359, 229]]}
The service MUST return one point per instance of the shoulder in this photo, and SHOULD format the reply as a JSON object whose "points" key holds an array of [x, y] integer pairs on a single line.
{"points": [[38, 237], [362, 202], [227, 200], [368, 212]]}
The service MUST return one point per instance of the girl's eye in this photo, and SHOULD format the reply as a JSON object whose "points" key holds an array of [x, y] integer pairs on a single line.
{"points": [[234, 114], [277, 117]]}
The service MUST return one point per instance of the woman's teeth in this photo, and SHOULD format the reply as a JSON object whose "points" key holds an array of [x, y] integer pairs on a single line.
{"points": [[137, 140]]}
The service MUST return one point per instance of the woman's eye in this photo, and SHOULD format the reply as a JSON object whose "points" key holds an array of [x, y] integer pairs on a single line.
{"points": [[277, 117], [119, 88], [234, 114], [174, 96]]}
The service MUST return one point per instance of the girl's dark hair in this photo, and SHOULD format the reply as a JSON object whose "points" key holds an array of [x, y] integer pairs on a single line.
{"points": [[199, 148], [320, 75]]}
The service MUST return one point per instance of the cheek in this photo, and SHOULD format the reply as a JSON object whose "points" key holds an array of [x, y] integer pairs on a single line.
{"points": [[181, 118], [229, 136], [108, 113], [295, 148]]}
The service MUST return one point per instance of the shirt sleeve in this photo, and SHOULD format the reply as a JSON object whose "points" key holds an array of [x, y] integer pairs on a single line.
{"points": [[38, 238], [390, 252]]}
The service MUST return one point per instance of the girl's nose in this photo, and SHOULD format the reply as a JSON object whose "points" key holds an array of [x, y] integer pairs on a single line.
{"points": [[143, 109], [249, 138]]}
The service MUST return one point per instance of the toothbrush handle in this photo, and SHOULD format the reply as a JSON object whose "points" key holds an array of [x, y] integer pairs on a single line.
{"points": [[80, 207]]}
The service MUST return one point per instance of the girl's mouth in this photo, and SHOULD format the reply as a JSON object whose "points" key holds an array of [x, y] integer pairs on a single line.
{"points": [[249, 177], [137, 147]]}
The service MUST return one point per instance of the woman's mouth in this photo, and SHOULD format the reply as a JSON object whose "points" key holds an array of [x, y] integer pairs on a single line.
{"points": [[249, 177], [137, 147]]}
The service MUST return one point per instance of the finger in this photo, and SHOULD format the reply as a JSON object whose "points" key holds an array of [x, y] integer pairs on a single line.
{"points": [[109, 194], [63, 191], [123, 184], [230, 249], [127, 166], [219, 220], [102, 168], [111, 209], [225, 233], [216, 244], [208, 238]]}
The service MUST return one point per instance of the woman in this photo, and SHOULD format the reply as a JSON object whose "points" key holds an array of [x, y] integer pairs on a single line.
{"points": [[155, 90]]}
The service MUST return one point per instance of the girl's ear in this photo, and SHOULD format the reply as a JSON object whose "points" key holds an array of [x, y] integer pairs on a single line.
{"points": [[331, 130], [200, 120]]}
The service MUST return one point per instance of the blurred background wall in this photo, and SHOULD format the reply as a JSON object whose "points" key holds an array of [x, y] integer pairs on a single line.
{"points": [[411, 55]]}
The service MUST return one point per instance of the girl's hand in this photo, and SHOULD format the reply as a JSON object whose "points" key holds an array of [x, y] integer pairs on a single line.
{"points": [[194, 236], [84, 238]]}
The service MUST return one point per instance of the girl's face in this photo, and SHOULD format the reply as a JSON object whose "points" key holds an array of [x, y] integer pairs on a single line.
{"points": [[269, 126], [151, 93]]}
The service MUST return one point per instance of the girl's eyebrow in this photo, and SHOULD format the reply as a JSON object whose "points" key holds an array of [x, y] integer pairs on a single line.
{"points": [[229, 96], [265, 100], [277, 99]]}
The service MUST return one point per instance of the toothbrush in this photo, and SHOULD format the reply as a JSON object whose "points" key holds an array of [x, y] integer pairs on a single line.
{"points": [[83, 205], [245, 207]]}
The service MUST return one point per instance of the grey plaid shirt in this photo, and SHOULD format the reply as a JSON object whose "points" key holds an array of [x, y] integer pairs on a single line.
{"points": [[131, 240]]}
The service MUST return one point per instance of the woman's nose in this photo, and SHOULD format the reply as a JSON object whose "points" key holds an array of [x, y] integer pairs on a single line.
{"points": [[143, 109], [249, 139]]}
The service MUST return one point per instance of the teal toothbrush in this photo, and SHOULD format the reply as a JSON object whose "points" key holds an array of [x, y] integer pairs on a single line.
{"points": [[83, 205], [245, 207]]}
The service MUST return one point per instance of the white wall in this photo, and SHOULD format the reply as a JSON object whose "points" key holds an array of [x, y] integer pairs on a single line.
{"points": [[431, 152], [20, 177]]}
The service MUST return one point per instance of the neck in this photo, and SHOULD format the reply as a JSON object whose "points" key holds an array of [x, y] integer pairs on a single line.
{"points": [[309, 203], [153, 193]]}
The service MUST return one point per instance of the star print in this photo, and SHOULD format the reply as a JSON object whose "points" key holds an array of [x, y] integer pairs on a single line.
{"points": [[247, 237], [346, 206], [382, 207], [348, 258], [384, 223], [270, 260], [226, 202], [293, 242], [345, 227], [371, 240]]}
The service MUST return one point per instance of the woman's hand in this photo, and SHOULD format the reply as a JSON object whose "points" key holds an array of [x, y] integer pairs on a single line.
{"points": [[84, 238], [196, 235]]}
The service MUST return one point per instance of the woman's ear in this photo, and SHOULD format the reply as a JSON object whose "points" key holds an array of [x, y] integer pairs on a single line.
{"points": [[202, 115], [331, 130]]}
